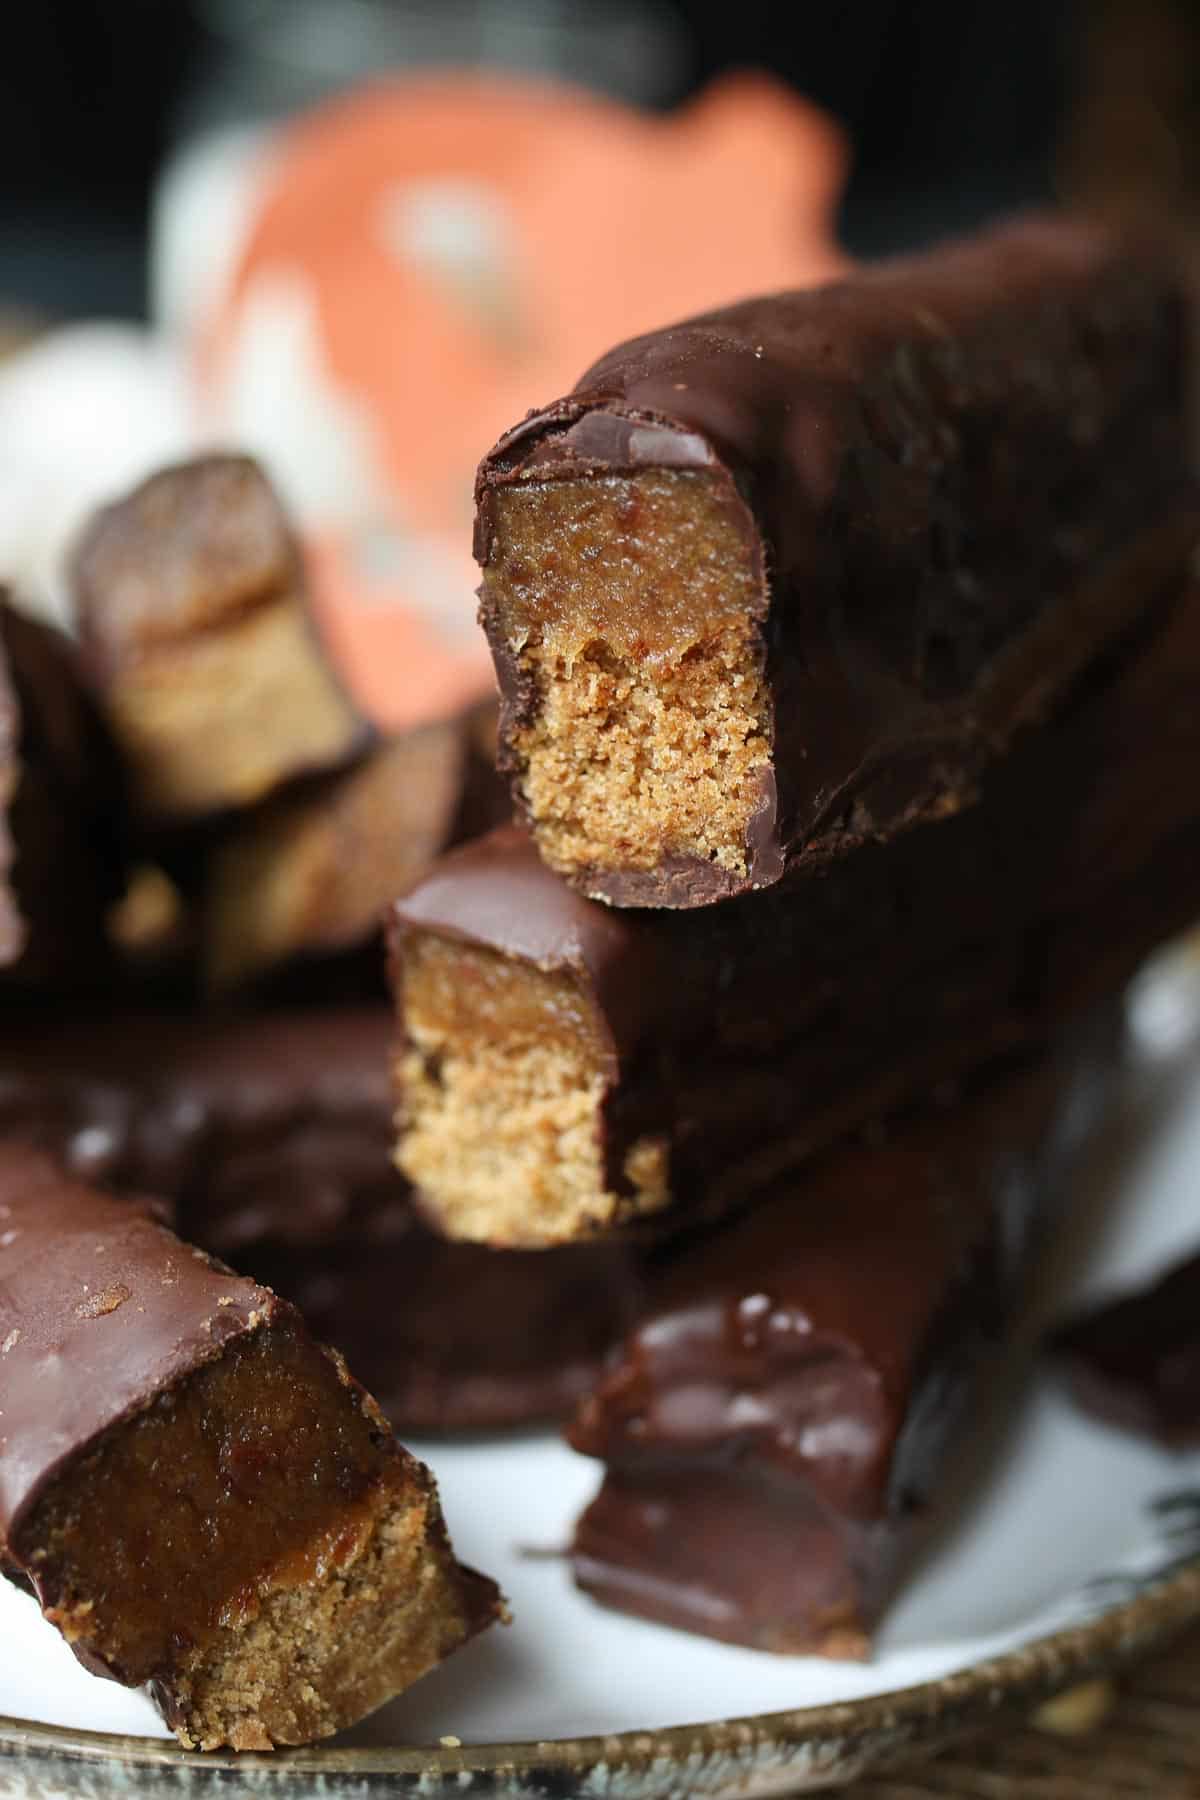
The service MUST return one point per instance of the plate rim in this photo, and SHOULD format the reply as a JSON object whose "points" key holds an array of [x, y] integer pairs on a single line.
{"points": [[811, 1746]]}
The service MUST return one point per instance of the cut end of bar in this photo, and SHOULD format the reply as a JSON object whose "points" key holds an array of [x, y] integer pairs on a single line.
{"points": [[382, 1604], [628, 607], [255, 1546], [220, 720], [502, 1081]]}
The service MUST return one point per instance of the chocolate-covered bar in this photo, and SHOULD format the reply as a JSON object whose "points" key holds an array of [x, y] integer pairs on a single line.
{"points": [[1134, 1361], [307, 878], [565, 1067], [199, 636], [269, 1137], [785, 578], [786, 1413], [62, 857], [200, 1495]]}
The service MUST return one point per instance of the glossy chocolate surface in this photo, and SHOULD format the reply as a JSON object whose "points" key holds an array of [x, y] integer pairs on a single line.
{"points": [[173, 1105], [1135, 1360], [456, 1338], [175, 1449], [931, 461], [268, 1137], [101, 1309], [780, 1418], [497, 892], [773, 1022]]}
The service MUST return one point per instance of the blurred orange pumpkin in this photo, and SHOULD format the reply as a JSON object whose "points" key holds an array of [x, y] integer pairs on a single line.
{"points": [[430, 258]]}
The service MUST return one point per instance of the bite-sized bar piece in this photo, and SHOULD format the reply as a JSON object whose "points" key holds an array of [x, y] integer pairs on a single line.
{"points": [[200, 1495], [310, 876], [198, 634], [565, 1067], [269, 1138], [788, 576], [62, 859], [780, 1421], [1135, 1360]]}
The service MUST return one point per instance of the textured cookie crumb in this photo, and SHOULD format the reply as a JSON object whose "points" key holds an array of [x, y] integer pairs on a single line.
{"points": [[640, 748], [501, 1082]]}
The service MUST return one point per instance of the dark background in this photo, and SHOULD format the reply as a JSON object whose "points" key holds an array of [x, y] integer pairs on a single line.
{"points": [[954, 109]]}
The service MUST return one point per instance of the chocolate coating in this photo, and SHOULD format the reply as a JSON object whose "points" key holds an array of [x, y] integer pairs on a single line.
{"points": [[931, 462], [194, 544], [176, 1106], [1135, 1361], [749, 1033], [101, 1308], [268, 1137], [498, 893], [459, 1338], [780, 1419]]}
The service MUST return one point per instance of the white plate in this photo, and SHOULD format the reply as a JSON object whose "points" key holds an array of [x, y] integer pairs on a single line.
{"points": [[1065, 1522]]}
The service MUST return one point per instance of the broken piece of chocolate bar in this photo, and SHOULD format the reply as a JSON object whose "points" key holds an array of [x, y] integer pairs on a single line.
{"points": [[200, 639], [199, 1494], [308, 878], [1134, 1360], [786, 578], [786, 1413], [565, 1067]]}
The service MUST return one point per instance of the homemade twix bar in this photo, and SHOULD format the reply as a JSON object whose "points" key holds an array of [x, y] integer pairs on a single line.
{"points": [[788, 1411], [199, 636], [200, 1496], [786, 577], [564, 1066]]}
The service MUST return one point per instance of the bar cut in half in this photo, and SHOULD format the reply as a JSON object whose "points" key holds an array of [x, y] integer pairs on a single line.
{"points": [[200, 1496], [566, 1068], [786, 578]]}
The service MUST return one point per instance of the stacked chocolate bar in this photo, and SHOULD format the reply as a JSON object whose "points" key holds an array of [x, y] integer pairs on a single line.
{"points": [[847, 643], [848, 646]]}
